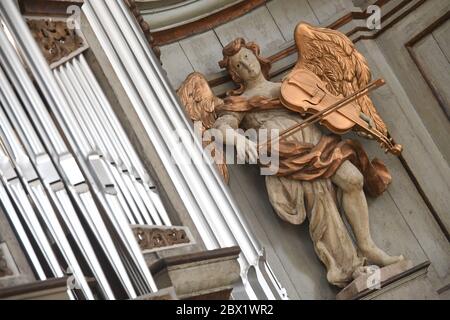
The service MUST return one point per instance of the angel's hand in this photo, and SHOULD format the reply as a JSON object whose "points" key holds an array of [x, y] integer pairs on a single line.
{"points": [[247, 150], [365, 135]]}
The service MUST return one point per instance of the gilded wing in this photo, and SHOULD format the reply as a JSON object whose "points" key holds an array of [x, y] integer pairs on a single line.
{"points": [[334, 59], [200, 103]]}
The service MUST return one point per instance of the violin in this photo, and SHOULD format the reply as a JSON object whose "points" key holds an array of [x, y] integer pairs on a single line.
{"points": [[305, 93]]}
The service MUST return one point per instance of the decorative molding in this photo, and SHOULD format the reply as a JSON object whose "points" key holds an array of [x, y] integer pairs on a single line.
{"points": [[205, 269], [165, 263], [151, 238], [5, 271], [410, 47], [47, 7], [162, 294], [224, 294], [180, 32], [183, 31], [396, 17], [362, 285], [33, 288], [175, 14], [144, 26], [356, 16], [408, 275], [54, 289], [56, 40], [160, 4]]}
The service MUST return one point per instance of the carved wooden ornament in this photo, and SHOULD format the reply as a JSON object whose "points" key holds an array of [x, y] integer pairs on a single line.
{"points": [[55, 39], [153, 238]]}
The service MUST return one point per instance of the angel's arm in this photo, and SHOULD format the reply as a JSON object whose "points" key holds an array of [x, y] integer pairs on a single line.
{"points": [[228, 124]]}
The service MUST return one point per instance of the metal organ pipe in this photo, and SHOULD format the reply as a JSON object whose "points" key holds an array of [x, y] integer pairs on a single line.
{"points": [[37, 193], [120, 160], [151, 101], [163, 125], [161, 114], [128, 154], [162, 149], [18, 227], [272, 288], [74, 178], [93, 165], [106, 161]]}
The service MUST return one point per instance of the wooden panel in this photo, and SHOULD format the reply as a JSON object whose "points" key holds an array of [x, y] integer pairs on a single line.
{"points": [[175, 63], [411, 209], [325, 9], [442, 36], [257, 26], [420, 95], [287, 14], [436, 69], [426, 129], [204, 52], [408, 130]]}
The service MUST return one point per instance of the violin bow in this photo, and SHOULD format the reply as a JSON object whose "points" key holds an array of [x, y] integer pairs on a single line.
{"points": [[328, 110]]}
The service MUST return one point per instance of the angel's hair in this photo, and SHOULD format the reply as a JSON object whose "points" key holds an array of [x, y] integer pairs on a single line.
{"points": [[233, 48]]}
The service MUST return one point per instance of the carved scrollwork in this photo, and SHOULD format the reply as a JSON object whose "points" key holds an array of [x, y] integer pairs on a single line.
{"points": [[56, 40], [4, 269], [153, 238]]}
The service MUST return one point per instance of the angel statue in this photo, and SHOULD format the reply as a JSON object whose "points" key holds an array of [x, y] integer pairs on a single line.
{"points": [[319, 173]]}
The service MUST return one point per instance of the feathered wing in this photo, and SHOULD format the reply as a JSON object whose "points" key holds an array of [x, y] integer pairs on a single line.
{"points": [[200, 103], [334, 59]]}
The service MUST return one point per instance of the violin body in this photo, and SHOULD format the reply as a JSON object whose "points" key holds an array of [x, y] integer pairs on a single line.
{"points": [[303, 92]]}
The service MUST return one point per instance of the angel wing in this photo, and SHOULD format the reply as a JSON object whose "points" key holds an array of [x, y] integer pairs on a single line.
{"points": [[200, 103], [334, 59]]}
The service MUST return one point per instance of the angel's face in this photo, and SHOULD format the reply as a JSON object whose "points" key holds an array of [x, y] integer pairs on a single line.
{"points": [[246, 65]]}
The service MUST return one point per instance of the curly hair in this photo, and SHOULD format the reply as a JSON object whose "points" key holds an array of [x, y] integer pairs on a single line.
{"points": [[233, 48]]}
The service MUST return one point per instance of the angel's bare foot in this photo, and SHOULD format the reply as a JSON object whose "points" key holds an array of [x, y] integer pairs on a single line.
{"points": [[378, 256]]}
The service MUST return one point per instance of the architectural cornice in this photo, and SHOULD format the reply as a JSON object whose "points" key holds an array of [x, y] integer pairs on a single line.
{"points": [[188, 22]]}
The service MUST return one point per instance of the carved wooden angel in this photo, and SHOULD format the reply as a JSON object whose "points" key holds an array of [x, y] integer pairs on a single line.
{"points": [[313, 164]]}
